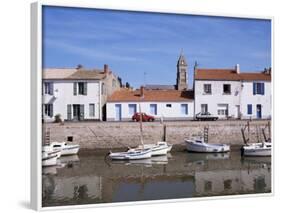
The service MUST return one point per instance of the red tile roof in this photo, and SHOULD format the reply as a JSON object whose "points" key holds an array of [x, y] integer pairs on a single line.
{"points": [[230, 75], [126, 95]]}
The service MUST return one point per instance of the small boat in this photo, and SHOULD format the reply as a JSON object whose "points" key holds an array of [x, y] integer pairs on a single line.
{"points": [[131, 154], [257, 149], [49, 159], [66, 149], [160, 148], [50, 150], [198, 145]]}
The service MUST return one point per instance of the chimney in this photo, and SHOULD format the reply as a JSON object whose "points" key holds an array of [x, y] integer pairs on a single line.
{"points": [[237, 68], [105, 69], [142, 92]]}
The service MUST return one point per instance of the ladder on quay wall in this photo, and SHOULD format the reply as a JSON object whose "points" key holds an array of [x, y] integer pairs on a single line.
{"points": [[205, 134], [47, 137]]}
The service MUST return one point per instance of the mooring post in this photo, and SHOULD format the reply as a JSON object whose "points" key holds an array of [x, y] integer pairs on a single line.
{"points": [[164, 132]]}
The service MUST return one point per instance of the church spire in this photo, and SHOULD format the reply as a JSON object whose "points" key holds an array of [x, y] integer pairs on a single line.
{"points": [[182, 72]]}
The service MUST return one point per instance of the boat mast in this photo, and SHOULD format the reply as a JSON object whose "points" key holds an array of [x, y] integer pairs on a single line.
{"points": [[141, 133]]}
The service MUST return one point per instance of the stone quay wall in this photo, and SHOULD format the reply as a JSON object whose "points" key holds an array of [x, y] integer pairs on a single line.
{"points": [[115, 135]]}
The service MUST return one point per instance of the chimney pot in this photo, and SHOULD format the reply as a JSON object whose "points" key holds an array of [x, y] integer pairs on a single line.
{"points": [[105, 69], [237, 68], [142, 91]]}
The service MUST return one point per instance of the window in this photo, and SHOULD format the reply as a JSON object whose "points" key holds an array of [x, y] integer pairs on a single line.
{"points": [[132, 109], [169, 105], [207, 89], [258, 88], [153, 109], [48, 110], [249, 109], [82, 88], [223, 109], [226, 89], [49, 88], [204, 108], [184, 109], [92, 110]]}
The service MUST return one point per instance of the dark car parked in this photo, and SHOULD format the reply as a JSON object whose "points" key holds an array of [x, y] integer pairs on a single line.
{"points": [[145, 117], [205, 116]]}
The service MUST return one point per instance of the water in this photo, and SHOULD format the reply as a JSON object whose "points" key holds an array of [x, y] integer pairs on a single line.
{"points": [[90, 178]]}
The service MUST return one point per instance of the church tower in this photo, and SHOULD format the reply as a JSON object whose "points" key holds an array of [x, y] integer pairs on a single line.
{"points": [[182, 73]]}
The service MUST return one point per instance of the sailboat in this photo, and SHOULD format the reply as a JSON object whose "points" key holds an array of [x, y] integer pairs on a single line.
{"points": [[133, 154]]}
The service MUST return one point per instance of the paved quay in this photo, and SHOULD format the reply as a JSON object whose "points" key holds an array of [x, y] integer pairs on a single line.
{"points": [[119, 135]]}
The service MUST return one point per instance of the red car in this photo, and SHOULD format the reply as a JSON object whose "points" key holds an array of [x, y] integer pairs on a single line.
{"points": [[145, 117]]}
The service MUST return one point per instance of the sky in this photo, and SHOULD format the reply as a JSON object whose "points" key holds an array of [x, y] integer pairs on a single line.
{"points": [[143, 48]]}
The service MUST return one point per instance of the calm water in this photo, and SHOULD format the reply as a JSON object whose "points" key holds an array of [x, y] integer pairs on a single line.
{"points": [[89, 179]]}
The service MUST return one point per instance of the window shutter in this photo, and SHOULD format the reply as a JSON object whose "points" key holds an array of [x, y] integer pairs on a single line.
{"points": [[51, 88], [254, 88], [81, 112], [85, 88], [75, 88], [51, 110], [187, 109], [262, 88], [69, 112]]}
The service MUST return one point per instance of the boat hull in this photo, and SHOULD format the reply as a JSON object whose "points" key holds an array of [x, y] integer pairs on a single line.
{"points": [[131, 155], [50, 160], [206, 148], [73, 150], [161, 148], [256, 152]]}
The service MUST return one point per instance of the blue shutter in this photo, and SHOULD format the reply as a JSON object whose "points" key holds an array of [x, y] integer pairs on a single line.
{"points": [[262, 88], [249, 109], [254, 88]]}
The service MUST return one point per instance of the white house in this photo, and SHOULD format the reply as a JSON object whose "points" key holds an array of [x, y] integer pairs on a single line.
{"points": [[76, 94], [231, 93], [166, 104]]}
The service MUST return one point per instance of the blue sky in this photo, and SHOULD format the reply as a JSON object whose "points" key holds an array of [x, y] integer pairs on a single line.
{"points": [[134, 43]]}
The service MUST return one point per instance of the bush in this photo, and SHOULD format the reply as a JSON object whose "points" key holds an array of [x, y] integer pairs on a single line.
{"points": [[58, 118]]}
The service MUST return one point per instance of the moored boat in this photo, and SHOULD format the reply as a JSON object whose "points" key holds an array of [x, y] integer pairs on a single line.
{"points": [[49, 159], [131, 154], [198, 145], [65, 148], [257, 150], [160, 148]]}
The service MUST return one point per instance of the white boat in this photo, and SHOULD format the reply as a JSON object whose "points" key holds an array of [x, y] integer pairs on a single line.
{"points": [[50, 150], [131, 154], [66, 149], [257, 149], [49, 159], [160, 148], [198, 145]]}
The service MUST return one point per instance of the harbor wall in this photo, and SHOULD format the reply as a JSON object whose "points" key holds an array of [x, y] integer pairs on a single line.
{"points": [[114, 135]]}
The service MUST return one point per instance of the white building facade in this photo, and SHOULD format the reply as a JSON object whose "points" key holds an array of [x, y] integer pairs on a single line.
{"points": [[227, 93], [166, 105], [75, 94]]}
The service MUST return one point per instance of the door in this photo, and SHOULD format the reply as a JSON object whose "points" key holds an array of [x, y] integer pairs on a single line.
{"points": [[237, 113], [76, 112], [118, 115], [259, 112]]}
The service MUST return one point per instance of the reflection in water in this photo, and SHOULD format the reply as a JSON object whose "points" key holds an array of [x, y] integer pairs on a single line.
{"points": [[90, 179]]}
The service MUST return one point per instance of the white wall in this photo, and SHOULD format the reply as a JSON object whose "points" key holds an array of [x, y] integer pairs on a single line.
{"points": [[217, 96], [241, 94], [168, 113], [247, 97], [63, 95]]}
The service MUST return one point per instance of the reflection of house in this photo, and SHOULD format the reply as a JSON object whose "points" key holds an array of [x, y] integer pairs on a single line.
{"points": [[77, 94], [231, 93], [232, 181]]}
